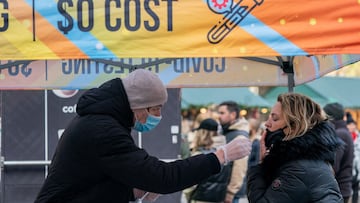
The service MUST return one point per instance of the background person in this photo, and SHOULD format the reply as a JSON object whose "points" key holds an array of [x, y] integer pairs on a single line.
{"points": [[256, 130], [212, 189], [343, 165], [352, 126], [297, 151], [234, 127], [96, 159]]}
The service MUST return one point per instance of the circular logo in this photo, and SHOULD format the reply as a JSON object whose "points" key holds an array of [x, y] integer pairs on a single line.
{"points": [[220, 6], [65, 93], [276, 184]]}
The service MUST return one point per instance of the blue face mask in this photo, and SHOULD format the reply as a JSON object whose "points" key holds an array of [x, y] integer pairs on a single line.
{"points": [[151, 123]]}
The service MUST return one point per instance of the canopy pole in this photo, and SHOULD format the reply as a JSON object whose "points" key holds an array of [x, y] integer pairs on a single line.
{"points": [[288, 68], [291, 82]]}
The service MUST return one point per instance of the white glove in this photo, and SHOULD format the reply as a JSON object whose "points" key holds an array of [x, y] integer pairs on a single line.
{"points": [[236, 149]]}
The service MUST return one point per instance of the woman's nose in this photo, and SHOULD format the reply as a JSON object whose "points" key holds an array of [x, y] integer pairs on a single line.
{"points": [[267, 124]]}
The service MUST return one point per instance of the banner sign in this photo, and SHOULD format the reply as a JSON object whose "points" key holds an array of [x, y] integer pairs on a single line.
{"points": [[89, 29], [175, 73]]}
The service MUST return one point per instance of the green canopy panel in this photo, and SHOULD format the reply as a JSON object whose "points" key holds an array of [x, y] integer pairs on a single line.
{"points": [[325, 90], [206, 96]]}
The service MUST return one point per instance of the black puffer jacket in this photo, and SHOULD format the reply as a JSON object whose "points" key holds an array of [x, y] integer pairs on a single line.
{"points": [[298, 170], [96, 159]]}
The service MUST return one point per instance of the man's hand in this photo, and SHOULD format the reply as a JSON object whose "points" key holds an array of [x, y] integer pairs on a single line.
{"points": [[152, 197], [138, 193], [142, 195]]}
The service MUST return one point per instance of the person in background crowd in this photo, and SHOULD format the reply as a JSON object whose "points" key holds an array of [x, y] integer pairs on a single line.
{"points": [[210, 113], [296, 153], [97, 160], [234, 127], [185, 144], [254, 158], [344, 156], [213, 189], [352, 126], [0, 148]]}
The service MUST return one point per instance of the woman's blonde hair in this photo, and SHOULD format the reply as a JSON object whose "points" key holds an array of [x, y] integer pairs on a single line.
{"points": [[300, 113], [203, 138]]}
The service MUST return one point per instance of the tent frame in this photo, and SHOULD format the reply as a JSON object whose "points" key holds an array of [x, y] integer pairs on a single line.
{"points": [[286, 63]]}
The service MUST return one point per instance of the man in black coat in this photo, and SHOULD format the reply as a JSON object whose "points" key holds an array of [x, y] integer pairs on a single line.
{"points": [[96, 159], [344, 156]]}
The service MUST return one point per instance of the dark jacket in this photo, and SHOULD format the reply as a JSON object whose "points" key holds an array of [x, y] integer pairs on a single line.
{"points": [[298, 170], [96, 159], [344, 159], [212, 189]]}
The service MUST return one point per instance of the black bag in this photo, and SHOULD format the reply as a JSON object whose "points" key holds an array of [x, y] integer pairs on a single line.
{"points": [[214, 188]]}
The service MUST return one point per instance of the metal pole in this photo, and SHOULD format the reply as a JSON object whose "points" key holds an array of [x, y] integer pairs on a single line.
{"points": [[291, 82], [26, 163], [288, 68], [140, 139], [46, 147]]}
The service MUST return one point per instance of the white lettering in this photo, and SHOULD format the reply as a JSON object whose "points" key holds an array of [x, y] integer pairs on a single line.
{"points": [[69, 109]]}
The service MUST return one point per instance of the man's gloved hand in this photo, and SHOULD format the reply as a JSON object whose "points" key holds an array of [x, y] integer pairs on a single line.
{"points": [[138, 193], [236, 149], [141, 195], [152, 197]]}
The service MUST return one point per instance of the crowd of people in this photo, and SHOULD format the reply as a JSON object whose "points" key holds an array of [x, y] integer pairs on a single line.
{"points": [[300, 153]]}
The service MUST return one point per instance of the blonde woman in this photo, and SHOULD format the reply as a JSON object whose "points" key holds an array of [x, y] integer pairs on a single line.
{"points": [[297, 151], [212, 189]]}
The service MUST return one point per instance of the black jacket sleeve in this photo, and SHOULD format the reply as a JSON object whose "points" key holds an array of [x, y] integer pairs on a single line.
{"points": [[121, 159]]}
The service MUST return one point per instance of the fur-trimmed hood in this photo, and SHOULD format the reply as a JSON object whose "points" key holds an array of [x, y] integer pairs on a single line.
{"points": [[319, 143]]}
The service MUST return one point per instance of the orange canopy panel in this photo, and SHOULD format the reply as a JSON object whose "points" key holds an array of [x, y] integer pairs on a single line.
{"points": [[76, 29]]}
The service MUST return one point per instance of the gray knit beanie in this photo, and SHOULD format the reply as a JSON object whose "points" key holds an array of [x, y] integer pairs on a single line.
{"points": [[144, 89]]}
